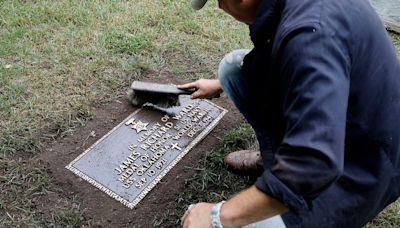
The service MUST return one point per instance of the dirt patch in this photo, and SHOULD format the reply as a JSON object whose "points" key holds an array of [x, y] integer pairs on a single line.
{"points": [[99, 206]]}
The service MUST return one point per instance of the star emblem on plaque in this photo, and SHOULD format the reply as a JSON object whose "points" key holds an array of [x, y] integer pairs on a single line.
{"points": [[139, 126]]}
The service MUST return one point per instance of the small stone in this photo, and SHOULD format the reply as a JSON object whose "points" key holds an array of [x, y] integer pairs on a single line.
{"points": [[8, 66]]}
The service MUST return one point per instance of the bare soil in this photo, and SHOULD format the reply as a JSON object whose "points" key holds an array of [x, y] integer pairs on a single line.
{"points": [[101, 208]]}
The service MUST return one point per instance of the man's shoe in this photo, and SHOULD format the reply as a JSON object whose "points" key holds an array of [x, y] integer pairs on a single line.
{"points": [[245, 163]]}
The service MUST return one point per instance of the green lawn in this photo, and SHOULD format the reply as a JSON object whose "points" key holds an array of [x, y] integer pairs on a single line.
{"points": [[61, 59]]}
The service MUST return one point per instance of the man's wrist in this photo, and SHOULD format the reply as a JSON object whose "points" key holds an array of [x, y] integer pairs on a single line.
{"points": [[226, 217], [216, 215]]}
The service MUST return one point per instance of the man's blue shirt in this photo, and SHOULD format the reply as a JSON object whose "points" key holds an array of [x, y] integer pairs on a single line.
{"points": [[332, 81]]}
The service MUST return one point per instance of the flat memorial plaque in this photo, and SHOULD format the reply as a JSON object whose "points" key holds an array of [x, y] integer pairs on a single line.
{"points": [[132, 158]]}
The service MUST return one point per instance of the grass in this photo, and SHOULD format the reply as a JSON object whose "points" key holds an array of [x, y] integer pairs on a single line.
{"points": [[390, 217], [61, 59], [396, 41]]}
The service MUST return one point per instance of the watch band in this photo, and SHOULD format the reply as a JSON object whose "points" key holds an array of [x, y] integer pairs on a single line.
{"points": [[215, 215]]}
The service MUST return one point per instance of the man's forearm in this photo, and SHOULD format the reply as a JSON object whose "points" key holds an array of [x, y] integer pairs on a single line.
{"points": [[249, 206]]}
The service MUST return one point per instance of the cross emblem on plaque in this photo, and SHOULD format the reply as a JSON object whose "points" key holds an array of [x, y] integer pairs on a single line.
{"points": [[175, 146]]}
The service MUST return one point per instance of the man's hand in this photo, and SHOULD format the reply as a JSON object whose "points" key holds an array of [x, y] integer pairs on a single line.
{"points": [[206, 88], [198, 216], [242, 10], [248, 206]]}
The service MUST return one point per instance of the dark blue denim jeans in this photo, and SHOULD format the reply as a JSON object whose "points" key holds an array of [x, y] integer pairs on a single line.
{"points": [[246, 99]]}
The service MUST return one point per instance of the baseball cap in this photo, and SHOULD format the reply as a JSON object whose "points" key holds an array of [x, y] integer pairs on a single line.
{"points": [[198, 4]]}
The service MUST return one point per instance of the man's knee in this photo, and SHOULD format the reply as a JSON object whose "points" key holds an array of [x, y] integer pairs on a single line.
{"points": [[229, 71]]}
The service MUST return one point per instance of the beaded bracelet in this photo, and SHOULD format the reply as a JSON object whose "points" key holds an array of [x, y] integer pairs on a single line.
{"points": [[215, 215]]}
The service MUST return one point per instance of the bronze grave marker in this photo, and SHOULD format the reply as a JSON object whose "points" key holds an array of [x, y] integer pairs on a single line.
{"points": [[133, 157]]}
